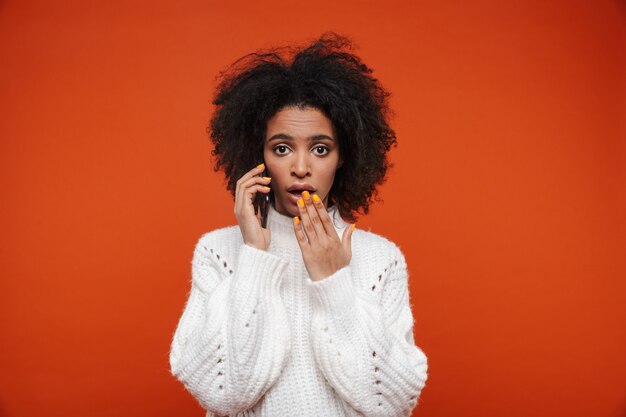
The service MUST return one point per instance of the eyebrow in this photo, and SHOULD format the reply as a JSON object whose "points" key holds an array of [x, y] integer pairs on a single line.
{"points": [[284, 136]]}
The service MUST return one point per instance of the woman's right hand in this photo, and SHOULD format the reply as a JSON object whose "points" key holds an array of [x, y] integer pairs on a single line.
{"points": [[250, 224]]}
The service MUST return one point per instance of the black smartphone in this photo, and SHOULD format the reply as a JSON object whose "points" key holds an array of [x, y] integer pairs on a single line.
{"points": [[262, 202]]}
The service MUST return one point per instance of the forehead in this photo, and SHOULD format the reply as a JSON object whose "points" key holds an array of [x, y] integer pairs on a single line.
{"points": [[299, 122]]}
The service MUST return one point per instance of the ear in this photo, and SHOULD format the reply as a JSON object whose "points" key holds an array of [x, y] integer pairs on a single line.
{"points": [[340, 163]]}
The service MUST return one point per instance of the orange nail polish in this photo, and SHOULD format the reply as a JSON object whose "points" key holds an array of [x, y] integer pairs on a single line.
{"points": [[297, 220], [305, 194], [301, 202], [353, 226], [268, 178], [260, 165], [316, 198]]}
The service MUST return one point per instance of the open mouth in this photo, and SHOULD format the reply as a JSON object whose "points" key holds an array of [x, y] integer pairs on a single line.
{"points": [[296, 189], [296, 194]]}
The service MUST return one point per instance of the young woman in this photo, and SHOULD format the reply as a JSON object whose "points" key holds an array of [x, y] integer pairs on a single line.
{"points": [[306, 316]]}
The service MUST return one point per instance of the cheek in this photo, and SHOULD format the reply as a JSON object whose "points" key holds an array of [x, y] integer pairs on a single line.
{"points": [[329, 177], [268, 159], [274, 170], [266, 156]]}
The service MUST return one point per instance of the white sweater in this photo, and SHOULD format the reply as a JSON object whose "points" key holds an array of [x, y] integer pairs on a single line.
{"points": [[258, 337]]}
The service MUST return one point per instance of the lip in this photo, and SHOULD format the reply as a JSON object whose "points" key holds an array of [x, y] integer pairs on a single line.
{"points": [[301, 186], [298, 186], [293, 197]]}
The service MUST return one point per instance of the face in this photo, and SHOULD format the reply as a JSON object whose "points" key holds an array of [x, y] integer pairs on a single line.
{"points": [[301, 152]]}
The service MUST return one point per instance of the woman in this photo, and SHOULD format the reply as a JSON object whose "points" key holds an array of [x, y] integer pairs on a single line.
{"points": [[306, 316]]}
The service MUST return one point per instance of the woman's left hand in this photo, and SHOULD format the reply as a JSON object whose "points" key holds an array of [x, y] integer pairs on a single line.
{"points": [[322, 251]]}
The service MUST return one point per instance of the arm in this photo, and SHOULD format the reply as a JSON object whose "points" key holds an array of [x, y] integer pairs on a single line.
{"points": [[232, 339], [364, 348]]}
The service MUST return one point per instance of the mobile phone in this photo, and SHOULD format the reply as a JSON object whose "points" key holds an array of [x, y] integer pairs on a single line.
{"points": [[262, 202]]}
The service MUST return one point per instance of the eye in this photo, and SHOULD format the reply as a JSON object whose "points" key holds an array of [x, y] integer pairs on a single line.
{"points": [[321, 150], [281, 149]]}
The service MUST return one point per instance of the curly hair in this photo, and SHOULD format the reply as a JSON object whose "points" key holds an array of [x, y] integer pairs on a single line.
{"points": [[324, 75]]}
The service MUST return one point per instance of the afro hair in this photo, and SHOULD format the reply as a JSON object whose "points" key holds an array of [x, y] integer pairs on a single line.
{"points": [[325, 75]]}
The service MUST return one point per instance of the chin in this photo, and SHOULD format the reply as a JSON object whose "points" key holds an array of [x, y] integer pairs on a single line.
{"points": [[293, 211], [289, 209]]}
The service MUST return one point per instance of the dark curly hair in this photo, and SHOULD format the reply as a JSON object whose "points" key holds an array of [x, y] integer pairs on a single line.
{"points": [[323, 75]]}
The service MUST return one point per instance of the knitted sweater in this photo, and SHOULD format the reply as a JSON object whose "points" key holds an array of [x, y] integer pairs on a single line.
{"points": [[258, 337]]}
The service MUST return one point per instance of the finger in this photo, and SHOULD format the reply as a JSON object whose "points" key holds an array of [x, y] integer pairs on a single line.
{"points": [[250, 193], [251, 182], [315, 219], [346, 239], [324, 216], [245, 177], [244, 188], [254, 171], [300, 236], [305, 218]]}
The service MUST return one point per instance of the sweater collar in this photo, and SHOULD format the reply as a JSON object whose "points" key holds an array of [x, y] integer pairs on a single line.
{"points": [[282, 221]]}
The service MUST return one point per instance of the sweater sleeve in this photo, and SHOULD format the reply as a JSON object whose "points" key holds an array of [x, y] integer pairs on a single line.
{"points": [[365, 347], [232, 339]]}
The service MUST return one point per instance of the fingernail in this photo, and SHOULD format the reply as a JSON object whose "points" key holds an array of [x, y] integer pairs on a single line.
{"points": [[260, 165], [316, 198], [301, 202], [305, 194], [268, 178], [353, 226], [297, 220], [266, 187]]}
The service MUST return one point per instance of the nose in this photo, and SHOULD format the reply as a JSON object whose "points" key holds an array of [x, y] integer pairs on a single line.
{"points": [[301, 166]]}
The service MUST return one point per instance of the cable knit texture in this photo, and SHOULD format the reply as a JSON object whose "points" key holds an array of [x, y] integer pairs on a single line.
{"points": [[258, 337]]}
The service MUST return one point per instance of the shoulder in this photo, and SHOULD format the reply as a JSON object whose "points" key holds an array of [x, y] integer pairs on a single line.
{"points": [[222, 236], [219, 245], [369, 244], [375, 256]]}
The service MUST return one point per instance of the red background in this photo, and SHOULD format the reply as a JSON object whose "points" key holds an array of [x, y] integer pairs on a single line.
{"points": [[507, 194]]}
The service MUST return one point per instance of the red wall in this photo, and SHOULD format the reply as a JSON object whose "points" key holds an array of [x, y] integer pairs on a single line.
{"points": [[507, 194]]}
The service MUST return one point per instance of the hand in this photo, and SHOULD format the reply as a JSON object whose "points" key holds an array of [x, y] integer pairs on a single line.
{"points": [[322, 251], [250, 224]]}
